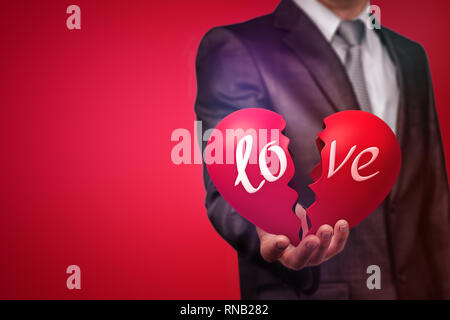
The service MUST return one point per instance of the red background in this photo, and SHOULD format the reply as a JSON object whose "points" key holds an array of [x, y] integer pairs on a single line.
{"points": [[85, 124]]}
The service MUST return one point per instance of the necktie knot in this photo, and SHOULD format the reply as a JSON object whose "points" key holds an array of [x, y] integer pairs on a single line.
{"points": [[352, 32]]}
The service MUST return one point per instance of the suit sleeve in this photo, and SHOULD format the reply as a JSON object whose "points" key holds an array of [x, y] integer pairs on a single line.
{"points": [[437, 199], [227, 80]]}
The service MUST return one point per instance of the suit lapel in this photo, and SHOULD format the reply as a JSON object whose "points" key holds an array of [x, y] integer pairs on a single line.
{"points": [[401, 61], [316, 53]]}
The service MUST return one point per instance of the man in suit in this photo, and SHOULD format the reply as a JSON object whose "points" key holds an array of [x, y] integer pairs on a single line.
{"points": [[306, 61]]}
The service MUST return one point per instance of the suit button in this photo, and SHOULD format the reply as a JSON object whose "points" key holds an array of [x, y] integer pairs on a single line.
{"points": [[402, 278]]}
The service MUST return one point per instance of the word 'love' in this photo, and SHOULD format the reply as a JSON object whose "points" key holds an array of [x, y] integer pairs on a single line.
{"points": [[245, 145]]}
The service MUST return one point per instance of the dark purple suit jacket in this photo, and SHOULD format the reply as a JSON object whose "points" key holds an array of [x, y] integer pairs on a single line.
{"points": [[282, 62]]}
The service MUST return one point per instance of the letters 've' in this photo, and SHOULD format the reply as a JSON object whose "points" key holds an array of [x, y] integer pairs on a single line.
{"points": [[354, 168]]}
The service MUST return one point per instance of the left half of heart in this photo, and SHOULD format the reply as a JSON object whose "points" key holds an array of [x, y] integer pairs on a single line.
{"points": [[248, 160]]}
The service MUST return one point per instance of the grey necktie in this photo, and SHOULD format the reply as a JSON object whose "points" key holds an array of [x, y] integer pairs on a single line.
{"points": [[351, 34]]}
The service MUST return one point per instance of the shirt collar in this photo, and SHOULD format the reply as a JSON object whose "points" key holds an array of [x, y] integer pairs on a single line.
{"points": [[324, 18]]}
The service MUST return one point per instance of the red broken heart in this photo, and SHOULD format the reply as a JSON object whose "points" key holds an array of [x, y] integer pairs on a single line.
{"points": [[248, 160]]}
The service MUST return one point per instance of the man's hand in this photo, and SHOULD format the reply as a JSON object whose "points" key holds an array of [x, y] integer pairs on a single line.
{"points": [[311, 251]]}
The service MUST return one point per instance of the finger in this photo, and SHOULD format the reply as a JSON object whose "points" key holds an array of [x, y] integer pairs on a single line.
{"points": [[341, 232], [325, 234], [297, 257], [271, 245]]}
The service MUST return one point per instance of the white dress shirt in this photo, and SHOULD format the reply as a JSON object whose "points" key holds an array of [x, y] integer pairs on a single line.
{"points": [[379, 70]]}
